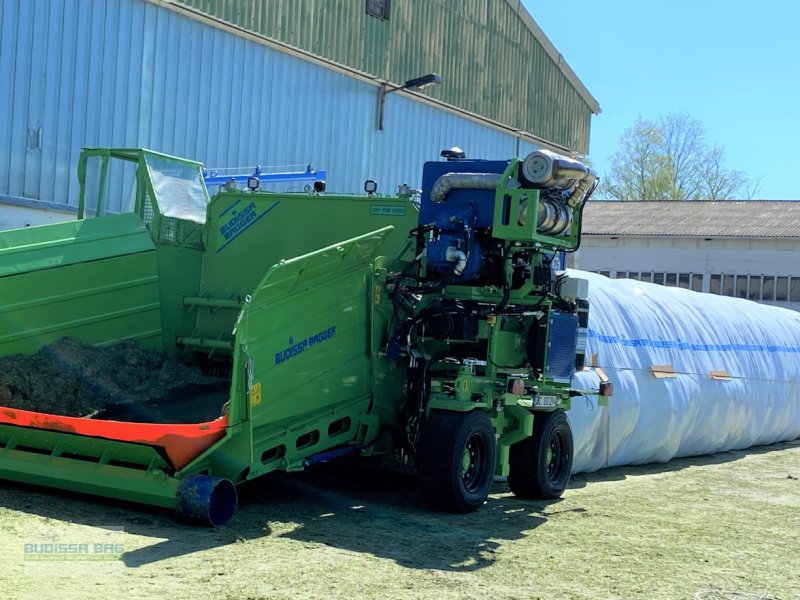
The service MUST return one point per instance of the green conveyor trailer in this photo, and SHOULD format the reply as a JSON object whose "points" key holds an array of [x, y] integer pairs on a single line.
{"points": [[345, 325]]}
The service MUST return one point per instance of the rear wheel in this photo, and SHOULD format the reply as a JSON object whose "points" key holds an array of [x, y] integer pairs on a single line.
{"points": [[456, 460], [540, 466]]}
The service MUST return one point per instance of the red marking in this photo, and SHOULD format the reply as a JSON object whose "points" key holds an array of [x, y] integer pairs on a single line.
{"points": [[182, 443]]}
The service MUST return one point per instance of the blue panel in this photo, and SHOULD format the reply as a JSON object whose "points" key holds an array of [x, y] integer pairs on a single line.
{"points": [[19, 94], [525, 147], [561, 346], [49, 150], [8, 40], [481, 201], [132, 73]]}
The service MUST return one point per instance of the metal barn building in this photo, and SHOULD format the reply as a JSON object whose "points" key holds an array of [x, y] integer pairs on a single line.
{"points": [[275, 83], [747, 249]]}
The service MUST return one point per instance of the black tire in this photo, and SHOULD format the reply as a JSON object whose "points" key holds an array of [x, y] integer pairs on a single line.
{"points": [[456, 460], [540, 466]]}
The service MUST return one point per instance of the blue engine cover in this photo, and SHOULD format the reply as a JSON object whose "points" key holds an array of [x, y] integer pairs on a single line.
{"points": [[437, 257], [453, 225], [481, 201]]}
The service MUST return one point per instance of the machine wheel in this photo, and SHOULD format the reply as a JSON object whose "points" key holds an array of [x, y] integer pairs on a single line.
{"points": [[456, 460], [540, 466]]}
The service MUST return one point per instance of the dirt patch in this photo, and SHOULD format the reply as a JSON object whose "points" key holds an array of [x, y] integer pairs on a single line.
{"points": [[123, 382]]}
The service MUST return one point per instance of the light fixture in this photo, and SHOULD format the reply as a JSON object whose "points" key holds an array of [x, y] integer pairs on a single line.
{"points": [[454, 153], [419, 83], [412, 85]]}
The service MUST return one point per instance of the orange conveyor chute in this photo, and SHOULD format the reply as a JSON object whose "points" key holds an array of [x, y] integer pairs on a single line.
{"points": [[181, 442]]}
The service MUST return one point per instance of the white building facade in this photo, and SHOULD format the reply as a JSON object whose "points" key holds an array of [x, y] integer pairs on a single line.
{"points": [[746, 249]]}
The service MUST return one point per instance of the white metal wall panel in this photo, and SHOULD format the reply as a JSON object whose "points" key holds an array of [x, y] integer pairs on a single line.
{"points": [[128, 73]]}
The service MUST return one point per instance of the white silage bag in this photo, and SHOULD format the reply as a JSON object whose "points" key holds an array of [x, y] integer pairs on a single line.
{"points": [[635, 326]]}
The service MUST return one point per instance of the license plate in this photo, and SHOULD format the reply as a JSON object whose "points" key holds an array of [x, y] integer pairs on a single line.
{"points": [[545, 401]]}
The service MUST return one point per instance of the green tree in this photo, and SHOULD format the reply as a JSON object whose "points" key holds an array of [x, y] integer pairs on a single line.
{"points": [[669, 159]]}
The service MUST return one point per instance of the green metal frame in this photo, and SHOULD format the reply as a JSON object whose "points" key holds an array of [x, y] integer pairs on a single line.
{"points": [[303, 326], [121, 470], [507, 204], [476, 386], [144, 187]]}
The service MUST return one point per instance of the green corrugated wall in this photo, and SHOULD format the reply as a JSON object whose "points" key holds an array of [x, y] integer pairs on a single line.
{"points": [[491, 63]]}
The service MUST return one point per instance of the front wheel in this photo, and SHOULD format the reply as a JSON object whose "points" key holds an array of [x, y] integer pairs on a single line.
{"points": [[456, 460], [540, 466]]}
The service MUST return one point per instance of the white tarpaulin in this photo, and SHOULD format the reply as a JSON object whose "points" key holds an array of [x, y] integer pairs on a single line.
{"points": [[693, 374]]}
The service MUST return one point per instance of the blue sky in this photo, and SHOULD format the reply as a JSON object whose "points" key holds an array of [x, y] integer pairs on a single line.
{"points": [[734, 65]]}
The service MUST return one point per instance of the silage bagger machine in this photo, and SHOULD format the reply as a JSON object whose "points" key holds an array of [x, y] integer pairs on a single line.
{"points": [[449, 349]]}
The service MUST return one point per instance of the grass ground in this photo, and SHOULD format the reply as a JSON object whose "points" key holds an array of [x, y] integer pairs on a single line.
{"points": [[718, 527]]}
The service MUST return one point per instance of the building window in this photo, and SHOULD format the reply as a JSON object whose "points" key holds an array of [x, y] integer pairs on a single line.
{"points": [[605, 273], [620, 274], [727, 285], [782, 289], [683, 280], [672, 279], [794, 290], [658, 278], [379, 8], [647, 277], [633, 275], [741, 286], [768, 291], [754, 291], [715, 286], [697, 282], [767, 288]]}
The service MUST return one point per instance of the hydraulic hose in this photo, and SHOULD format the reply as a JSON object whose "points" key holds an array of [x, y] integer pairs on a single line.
{"points": [[580, 215]]}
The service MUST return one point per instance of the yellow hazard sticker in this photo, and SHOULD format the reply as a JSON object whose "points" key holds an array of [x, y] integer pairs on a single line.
{"points": [[376, 294], [255, 394]]}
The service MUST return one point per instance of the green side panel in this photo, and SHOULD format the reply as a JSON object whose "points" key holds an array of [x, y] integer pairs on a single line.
{"points": [[121, 470], [306, 335], [248, 233], [62, 244], [95, 280], [491, 62], [179, 269]]}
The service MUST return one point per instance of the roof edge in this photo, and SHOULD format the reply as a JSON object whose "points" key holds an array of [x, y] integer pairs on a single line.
{"points": [[554, 54]]}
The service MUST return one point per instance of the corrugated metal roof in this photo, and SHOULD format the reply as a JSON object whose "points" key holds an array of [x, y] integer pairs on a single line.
{"points": [[727, 219], [494, 60]]}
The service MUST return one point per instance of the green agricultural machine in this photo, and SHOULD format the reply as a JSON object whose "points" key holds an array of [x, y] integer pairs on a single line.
{"points": [[435, 331]]}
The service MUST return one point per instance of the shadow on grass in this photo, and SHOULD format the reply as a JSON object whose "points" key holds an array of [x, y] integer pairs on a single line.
{"points": [[176, 538], [366, 510], [676, 464], [355, 508]]}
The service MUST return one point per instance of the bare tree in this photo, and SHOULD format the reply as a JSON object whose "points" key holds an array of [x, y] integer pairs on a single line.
{"points": [[715, 180], [683, 148], [669, 159], [752, 187]]}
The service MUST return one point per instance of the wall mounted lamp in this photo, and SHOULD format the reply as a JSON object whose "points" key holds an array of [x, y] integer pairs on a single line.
{"points": [[413, 85]]}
